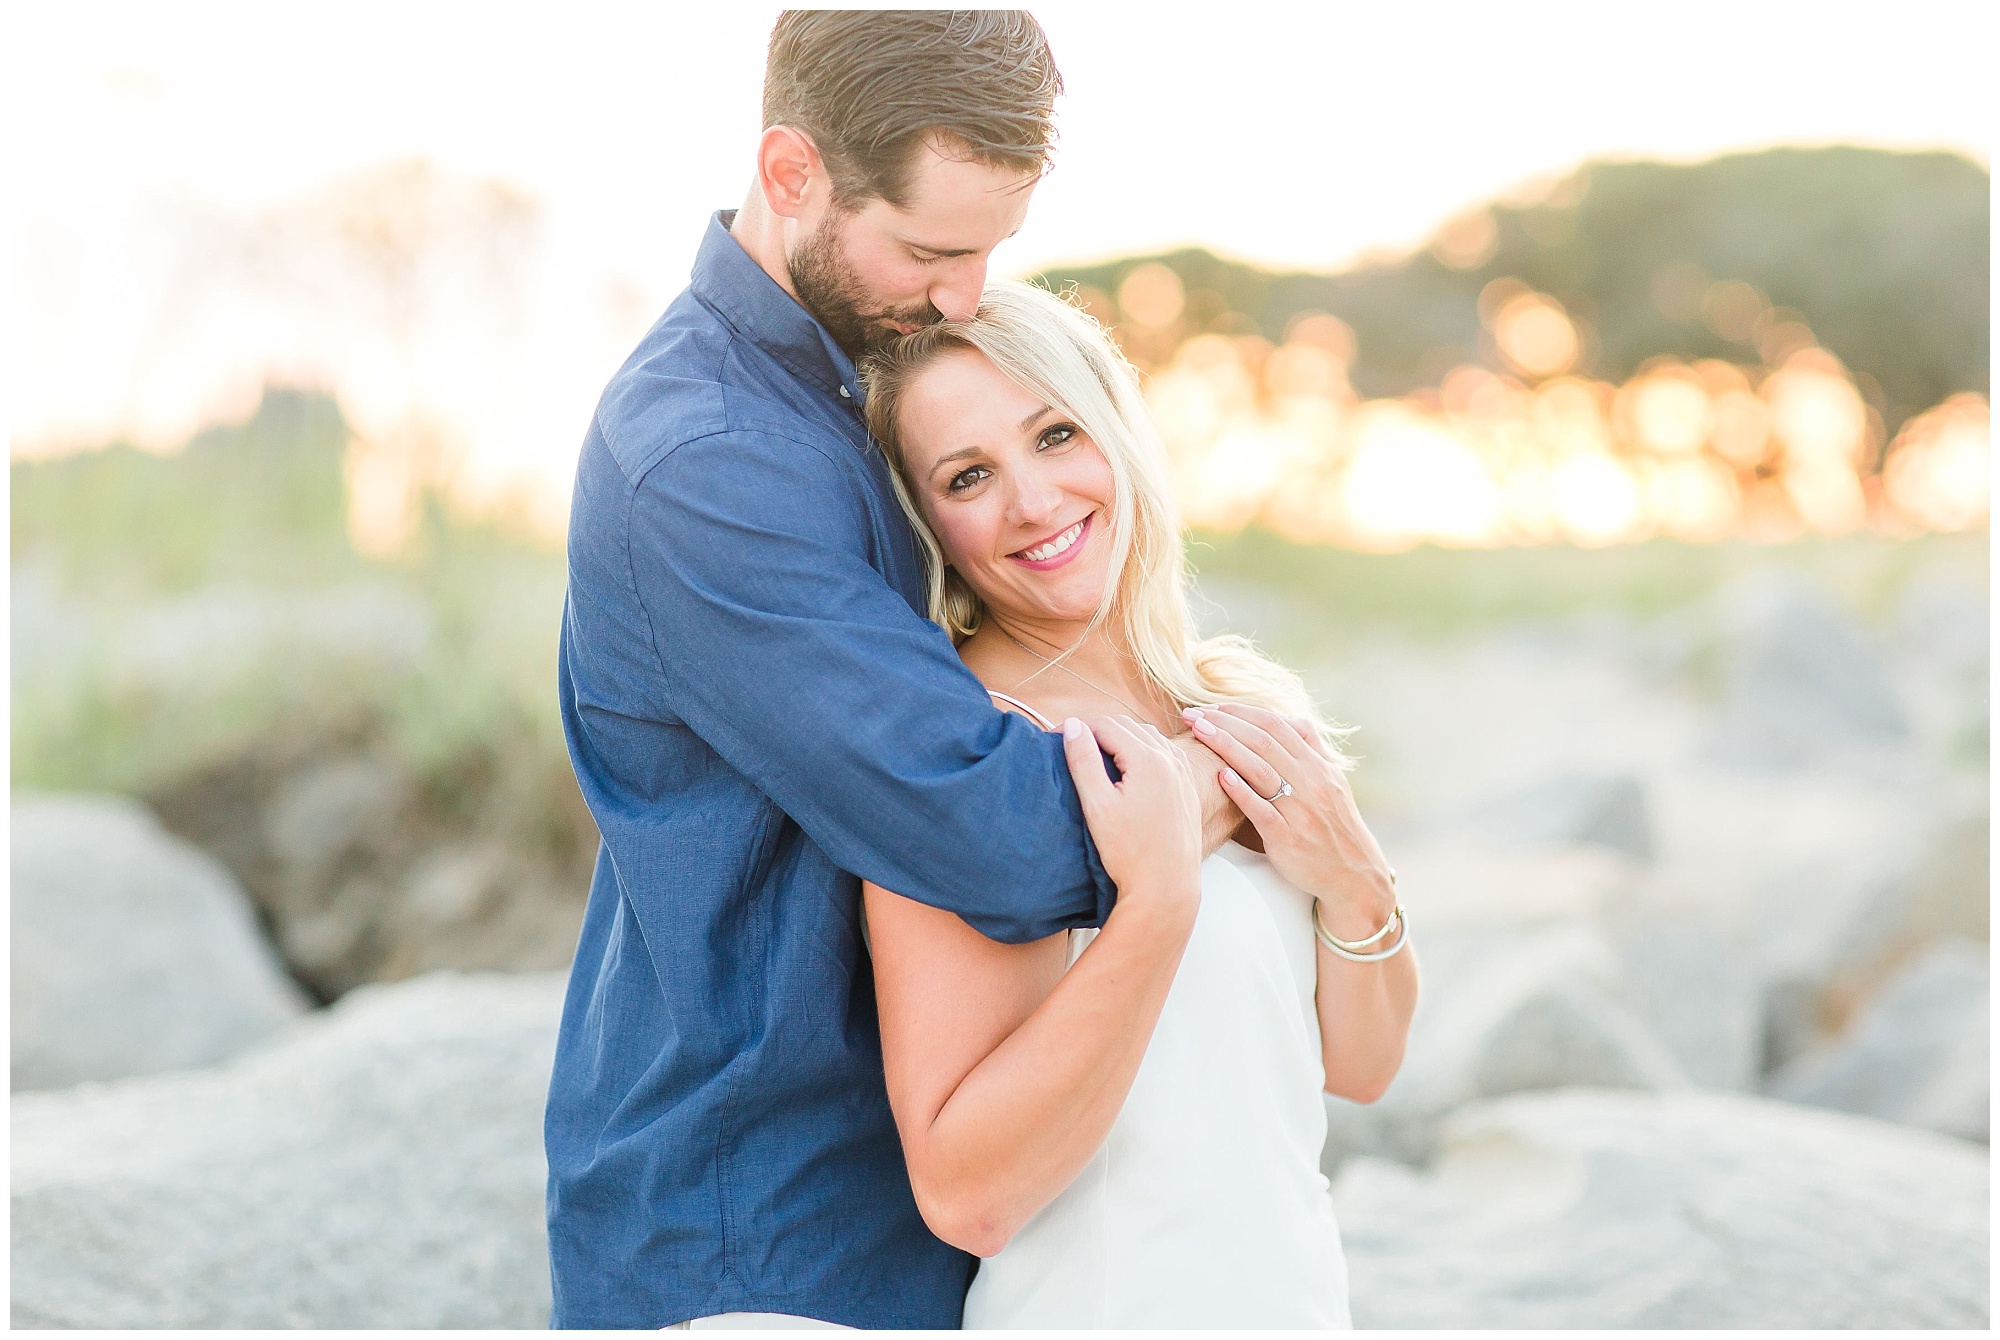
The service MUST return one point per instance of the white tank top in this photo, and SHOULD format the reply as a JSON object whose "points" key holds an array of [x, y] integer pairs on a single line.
{"points": [[1205, 1207]]}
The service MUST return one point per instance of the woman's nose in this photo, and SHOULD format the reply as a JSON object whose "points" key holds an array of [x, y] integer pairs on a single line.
{"points": [[1035, 500]]}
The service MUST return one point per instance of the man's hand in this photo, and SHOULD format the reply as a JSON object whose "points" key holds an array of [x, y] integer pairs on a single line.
{"points": [[1219, 816]]}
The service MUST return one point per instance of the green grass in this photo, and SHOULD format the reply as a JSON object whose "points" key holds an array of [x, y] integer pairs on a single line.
{"points": [[1429, 592]]}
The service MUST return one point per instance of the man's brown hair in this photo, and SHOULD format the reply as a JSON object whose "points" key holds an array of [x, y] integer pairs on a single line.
{"points": [[870, 85]]}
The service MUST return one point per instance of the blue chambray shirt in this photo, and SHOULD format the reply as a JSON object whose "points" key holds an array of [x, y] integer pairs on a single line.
{"points": [[759, 714]]}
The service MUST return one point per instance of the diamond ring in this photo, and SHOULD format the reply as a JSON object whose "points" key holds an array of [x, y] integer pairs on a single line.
{"points": [[1284, 789]]}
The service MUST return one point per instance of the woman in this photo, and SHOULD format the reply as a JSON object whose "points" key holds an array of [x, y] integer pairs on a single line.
{"points": [[1125, 1124]]}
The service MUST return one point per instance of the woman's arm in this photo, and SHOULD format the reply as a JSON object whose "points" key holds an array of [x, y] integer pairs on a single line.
{"points": [[1004, 1071], [1317, 840], [1364, 1021]]}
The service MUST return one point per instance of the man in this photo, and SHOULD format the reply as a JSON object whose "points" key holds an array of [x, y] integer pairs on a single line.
{"points": [[759, 714]]}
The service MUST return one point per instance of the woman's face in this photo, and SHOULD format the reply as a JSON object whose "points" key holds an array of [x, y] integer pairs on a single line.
{"points": [[1019, 498]]}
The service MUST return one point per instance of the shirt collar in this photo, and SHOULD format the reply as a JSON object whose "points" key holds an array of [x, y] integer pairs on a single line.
{"points": [[727, 280]]}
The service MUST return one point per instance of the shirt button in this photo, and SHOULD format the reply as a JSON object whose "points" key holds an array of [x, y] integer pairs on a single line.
{"points": [[844, 395]]}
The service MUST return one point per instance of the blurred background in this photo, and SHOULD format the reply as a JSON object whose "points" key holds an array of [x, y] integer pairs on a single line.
{"points": [[1594, 406]]}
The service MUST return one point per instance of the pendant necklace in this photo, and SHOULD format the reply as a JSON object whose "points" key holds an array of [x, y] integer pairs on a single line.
{"points": [[1137, 715]]}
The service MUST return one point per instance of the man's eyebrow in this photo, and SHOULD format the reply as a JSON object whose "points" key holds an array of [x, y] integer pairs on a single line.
{"points": [[945, 252], [942, 252]]}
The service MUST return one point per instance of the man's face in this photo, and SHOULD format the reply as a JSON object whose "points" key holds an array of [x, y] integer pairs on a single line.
{"points": [[876, 272]]}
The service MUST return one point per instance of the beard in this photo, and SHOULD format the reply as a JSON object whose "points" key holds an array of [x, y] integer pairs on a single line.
{"points": [[829, 288]]}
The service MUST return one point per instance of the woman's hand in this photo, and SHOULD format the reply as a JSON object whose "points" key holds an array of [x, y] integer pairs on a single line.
{"points": [[1147, 824], [1315, 836]]}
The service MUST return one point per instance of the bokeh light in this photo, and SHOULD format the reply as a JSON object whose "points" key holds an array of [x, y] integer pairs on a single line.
{"points": [[1529, 451], [1939, 469], [1535, 335]]}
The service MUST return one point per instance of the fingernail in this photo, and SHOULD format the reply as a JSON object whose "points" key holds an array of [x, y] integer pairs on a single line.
{"points": [[1072, 727], [1190, 714], [1230, 774], [1203, 726]]}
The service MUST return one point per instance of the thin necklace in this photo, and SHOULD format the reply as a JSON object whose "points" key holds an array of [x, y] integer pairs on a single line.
{"points": [[1136, 713]]}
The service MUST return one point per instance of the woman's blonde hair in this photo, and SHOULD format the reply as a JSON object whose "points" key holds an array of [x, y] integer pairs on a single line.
{"points": [[1058, 353]]}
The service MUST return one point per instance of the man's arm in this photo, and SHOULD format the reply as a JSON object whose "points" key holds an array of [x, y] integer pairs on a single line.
{"points": [[791, 657], [1220, 819]]}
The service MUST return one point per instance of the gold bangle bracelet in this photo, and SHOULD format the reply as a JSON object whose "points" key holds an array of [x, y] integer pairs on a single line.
{"points": [[1356, 946], [1340, 947]]}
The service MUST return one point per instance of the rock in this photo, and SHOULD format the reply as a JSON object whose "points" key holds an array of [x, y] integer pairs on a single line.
{"points": [[336, 832], [1608, 809], [380, 1166], [132, 951], [474, 905], [1831, 927], [1944, 631], [1466, 887], [1950, 890], [1957, 1100], [1445, 727], [1801, 683], [1917, 1053], [1505, 1010], [1947, 622], [364, 877], [1585, 1209], [1692, 980]]}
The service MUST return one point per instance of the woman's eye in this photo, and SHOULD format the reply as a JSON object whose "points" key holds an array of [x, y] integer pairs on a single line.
{"points": [[965, 479], [1055, 435]]}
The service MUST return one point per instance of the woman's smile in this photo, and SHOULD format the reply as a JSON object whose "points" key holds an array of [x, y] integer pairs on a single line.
{"points": [[1052, 553], [1011, 487]]}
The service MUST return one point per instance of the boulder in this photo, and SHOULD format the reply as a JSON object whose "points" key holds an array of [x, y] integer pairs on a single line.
{"points": [[1801, 683], [363, 877], [1691, 978], [1586, 1209], [1608, 809], [1916, 1053], [380, 1166], [1508, 1009], [1950, 889], [132, 951], [1832, 926], [1944, 635], [336, 832]]}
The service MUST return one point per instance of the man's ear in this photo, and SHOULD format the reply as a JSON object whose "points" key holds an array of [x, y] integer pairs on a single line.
{"points": [[790, 172]]}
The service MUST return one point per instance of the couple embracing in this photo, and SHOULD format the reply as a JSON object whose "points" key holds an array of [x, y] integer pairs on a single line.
{"points": [[970, 941]]}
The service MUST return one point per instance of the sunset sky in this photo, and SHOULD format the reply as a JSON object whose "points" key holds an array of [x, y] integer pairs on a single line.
{"points": [[1299, 136]]}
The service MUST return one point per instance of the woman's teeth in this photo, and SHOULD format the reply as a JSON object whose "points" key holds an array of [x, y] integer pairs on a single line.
{"points": [[1050, 549]]}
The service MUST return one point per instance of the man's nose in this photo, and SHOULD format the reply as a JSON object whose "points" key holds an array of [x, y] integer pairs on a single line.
{"points": [[957, 297]]}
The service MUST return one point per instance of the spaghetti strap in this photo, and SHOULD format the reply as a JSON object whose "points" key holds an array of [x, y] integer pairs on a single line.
{"points": [[1037, 717]]}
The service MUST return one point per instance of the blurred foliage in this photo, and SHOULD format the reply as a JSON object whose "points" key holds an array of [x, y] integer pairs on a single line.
{"points": [[1883, 255], [1331, 595], [182, 620], [261, 500], [186, 617]]}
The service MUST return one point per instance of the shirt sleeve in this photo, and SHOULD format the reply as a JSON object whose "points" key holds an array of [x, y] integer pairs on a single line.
{"points": [[790, 655]]}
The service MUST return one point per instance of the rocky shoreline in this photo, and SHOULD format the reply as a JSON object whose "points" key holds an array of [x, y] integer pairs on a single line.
{"points": [[1703, 1040]]}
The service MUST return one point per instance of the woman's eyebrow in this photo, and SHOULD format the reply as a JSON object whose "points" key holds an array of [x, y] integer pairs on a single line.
{"points": [[1036, 417], [950, 456]]}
